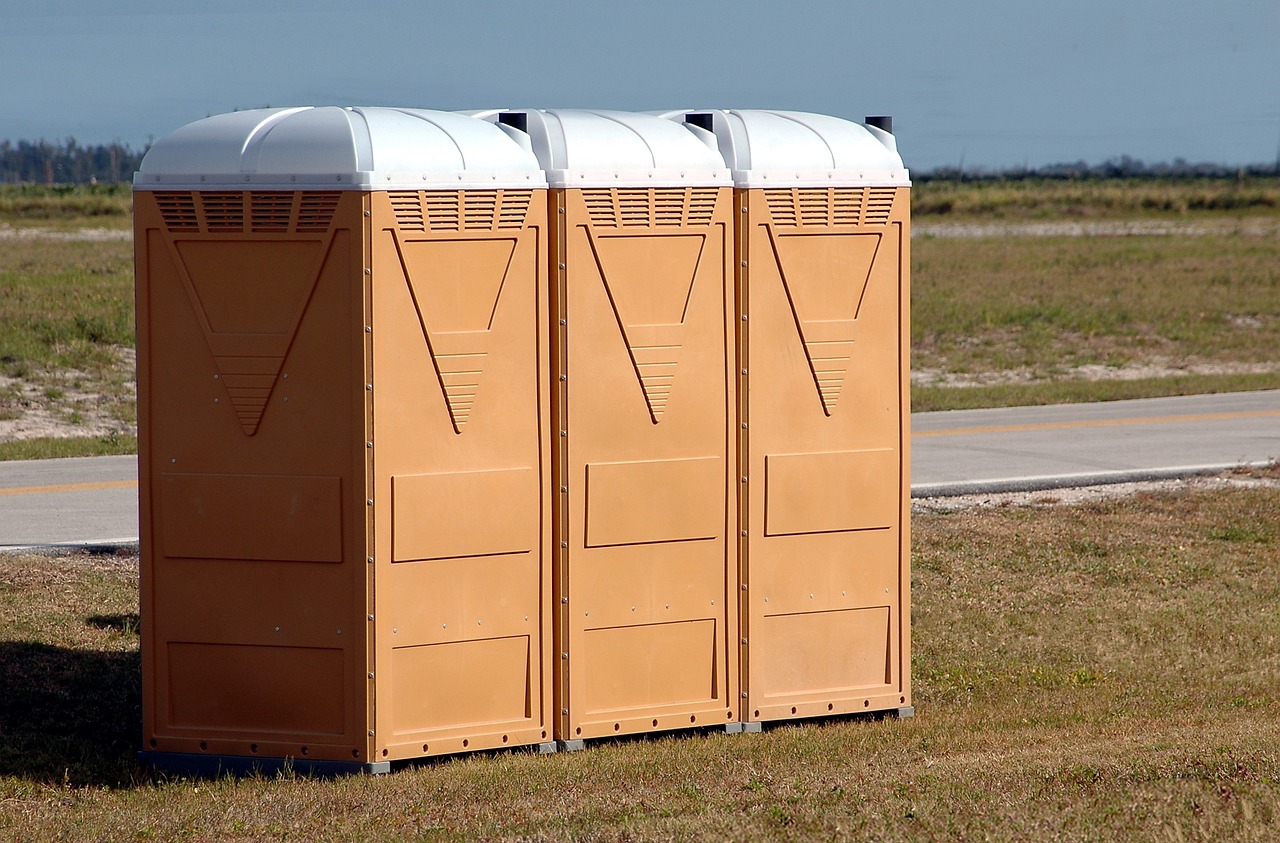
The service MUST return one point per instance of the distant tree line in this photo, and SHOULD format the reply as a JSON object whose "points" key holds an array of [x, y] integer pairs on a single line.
{"points": [[1123, 167], [70, 162], [67, 162]]}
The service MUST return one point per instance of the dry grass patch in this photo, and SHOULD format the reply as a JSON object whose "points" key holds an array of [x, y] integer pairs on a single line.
{"points": [[1100, 671]]}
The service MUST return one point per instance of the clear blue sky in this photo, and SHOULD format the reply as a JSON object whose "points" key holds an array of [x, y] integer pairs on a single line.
{"points": [[991, 84]]}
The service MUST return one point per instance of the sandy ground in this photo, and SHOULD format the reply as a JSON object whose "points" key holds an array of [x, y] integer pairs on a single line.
{"points": [[75, 412]]}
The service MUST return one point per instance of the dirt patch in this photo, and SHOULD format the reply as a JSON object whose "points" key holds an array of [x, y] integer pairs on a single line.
{"points": [[63, 405], [77, 235]]}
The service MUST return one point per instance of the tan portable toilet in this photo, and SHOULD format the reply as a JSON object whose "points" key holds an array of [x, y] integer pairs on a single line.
{"points": [[642, 360], [823, 300], [344, 455]]}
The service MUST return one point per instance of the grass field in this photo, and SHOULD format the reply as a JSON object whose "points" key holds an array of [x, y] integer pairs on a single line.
{"points": [[1097, 671], [997, 319]]}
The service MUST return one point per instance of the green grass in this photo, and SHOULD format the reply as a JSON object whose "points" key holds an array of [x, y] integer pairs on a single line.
{"points": [[1046, 305], [1090, 672], [1043, 199], [81, 446], [67, 206], [927, 398]]}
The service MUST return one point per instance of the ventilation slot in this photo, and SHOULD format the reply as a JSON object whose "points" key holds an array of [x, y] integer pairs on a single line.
{"points": [[407, 206], [223, 211], [461, 210], [178, 210], [797, 207], [317, 210], [650, 207], [271, 211], [879, 204]]}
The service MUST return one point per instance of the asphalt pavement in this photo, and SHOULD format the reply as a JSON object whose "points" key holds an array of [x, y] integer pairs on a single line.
{"points": [[94, 501]]}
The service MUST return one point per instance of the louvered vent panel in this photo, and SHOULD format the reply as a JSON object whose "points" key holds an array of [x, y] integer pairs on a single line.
{"points": [[442, 210], [513, 208], [271, 211], [178, 210], [650, 207], [830, 206], [846, 207], [879, 205], [465, 210], [702, 205], [315, 213], [223, 211], [782, 207], [479, 208], [407, 206]]}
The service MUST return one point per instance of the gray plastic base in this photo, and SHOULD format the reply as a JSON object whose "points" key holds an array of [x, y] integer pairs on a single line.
{"points": [[214, 766], [571, 746], [548, 748], [741, 728], [906, 711]]}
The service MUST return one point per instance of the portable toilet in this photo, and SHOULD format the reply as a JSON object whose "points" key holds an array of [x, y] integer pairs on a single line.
{"points": [[642, 358], [344, 457], [823, 300]]}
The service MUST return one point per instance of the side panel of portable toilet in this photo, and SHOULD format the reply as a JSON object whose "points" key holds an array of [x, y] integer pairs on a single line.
{"points": [[265, 521], [642, 358], [461, 454], [251, 494], [823, 305]]}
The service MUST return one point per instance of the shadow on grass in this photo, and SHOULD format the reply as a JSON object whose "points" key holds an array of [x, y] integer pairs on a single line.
{"points": [[70, 716]]}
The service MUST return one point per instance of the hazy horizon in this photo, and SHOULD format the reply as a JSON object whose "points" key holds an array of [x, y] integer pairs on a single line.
{"points": [[1019, 86]]}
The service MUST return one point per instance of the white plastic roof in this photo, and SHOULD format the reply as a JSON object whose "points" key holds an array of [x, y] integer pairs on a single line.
{"points": [[587, 148], [792, 148], [339, 148]]}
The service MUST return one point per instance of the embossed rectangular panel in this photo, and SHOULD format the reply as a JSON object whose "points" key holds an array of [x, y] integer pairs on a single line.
{"points": [[650, 666], [245, 516], [655, 501], [465, 513], [831, 492], [460, 684], [255, 689], [822, 653]]}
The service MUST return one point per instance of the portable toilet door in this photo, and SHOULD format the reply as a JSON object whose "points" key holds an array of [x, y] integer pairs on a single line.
{"points": [[341, 324], [642, 360], [823, 305]]}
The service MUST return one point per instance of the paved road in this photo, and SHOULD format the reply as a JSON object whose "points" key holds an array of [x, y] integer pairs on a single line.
{"points": [[94, 501]]}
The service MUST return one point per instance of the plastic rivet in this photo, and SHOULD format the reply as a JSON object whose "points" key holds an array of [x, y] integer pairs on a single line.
{"points": [[371, 674], [744, 695], [370, 733], [744, 641], [368, 329], [368, 271], [564, 655], [744, 533], [564, 488], [564, 599], [564, 544], [744, 317], [371, 617], [562, 266], [369, 502]]}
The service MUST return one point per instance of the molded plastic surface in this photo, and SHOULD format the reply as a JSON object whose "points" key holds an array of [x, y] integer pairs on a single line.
{"points": [[339, 148], [792, 148], [582, 148]]}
